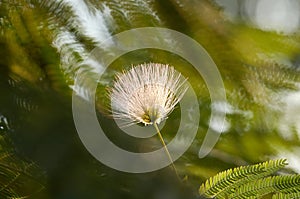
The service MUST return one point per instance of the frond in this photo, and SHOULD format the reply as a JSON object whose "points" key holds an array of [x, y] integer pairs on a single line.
{"points": [[289, 184], [286, 196], [227, 181], [19, 178]]}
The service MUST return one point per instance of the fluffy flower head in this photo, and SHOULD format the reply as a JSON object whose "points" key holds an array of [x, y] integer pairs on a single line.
{"points": [[147, 93]]}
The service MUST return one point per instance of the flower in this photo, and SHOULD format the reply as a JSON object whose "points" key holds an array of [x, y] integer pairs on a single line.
{"points": [[147, 93]]}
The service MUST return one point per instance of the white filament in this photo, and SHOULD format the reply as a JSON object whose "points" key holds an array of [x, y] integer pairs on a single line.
{"points": [[147, 93]]}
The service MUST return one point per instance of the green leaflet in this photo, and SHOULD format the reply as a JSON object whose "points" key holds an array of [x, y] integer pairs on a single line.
{"points": [[286, 196], [18, 178], [289, 184], [252, 182], [226, 182]]}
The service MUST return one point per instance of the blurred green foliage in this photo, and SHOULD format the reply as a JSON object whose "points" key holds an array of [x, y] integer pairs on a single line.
{"points": [[42, 44]]}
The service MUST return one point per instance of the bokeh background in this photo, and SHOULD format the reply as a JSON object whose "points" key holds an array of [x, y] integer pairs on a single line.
{"points": [[254, 43]]}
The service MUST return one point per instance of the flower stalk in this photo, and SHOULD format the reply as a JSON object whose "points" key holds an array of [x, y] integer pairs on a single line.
{"points": [[166, 148]]}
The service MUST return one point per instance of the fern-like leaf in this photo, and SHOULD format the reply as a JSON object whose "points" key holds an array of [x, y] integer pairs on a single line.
{"points": [[289, 184], [286, 196], [18, 177], [224, 183]]}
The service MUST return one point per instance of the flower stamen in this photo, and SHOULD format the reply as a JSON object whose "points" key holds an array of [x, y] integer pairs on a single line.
{"points": [[147, 93]]}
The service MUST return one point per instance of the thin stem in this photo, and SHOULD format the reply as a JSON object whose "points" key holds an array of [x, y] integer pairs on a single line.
{"points": [[166, 149]]}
